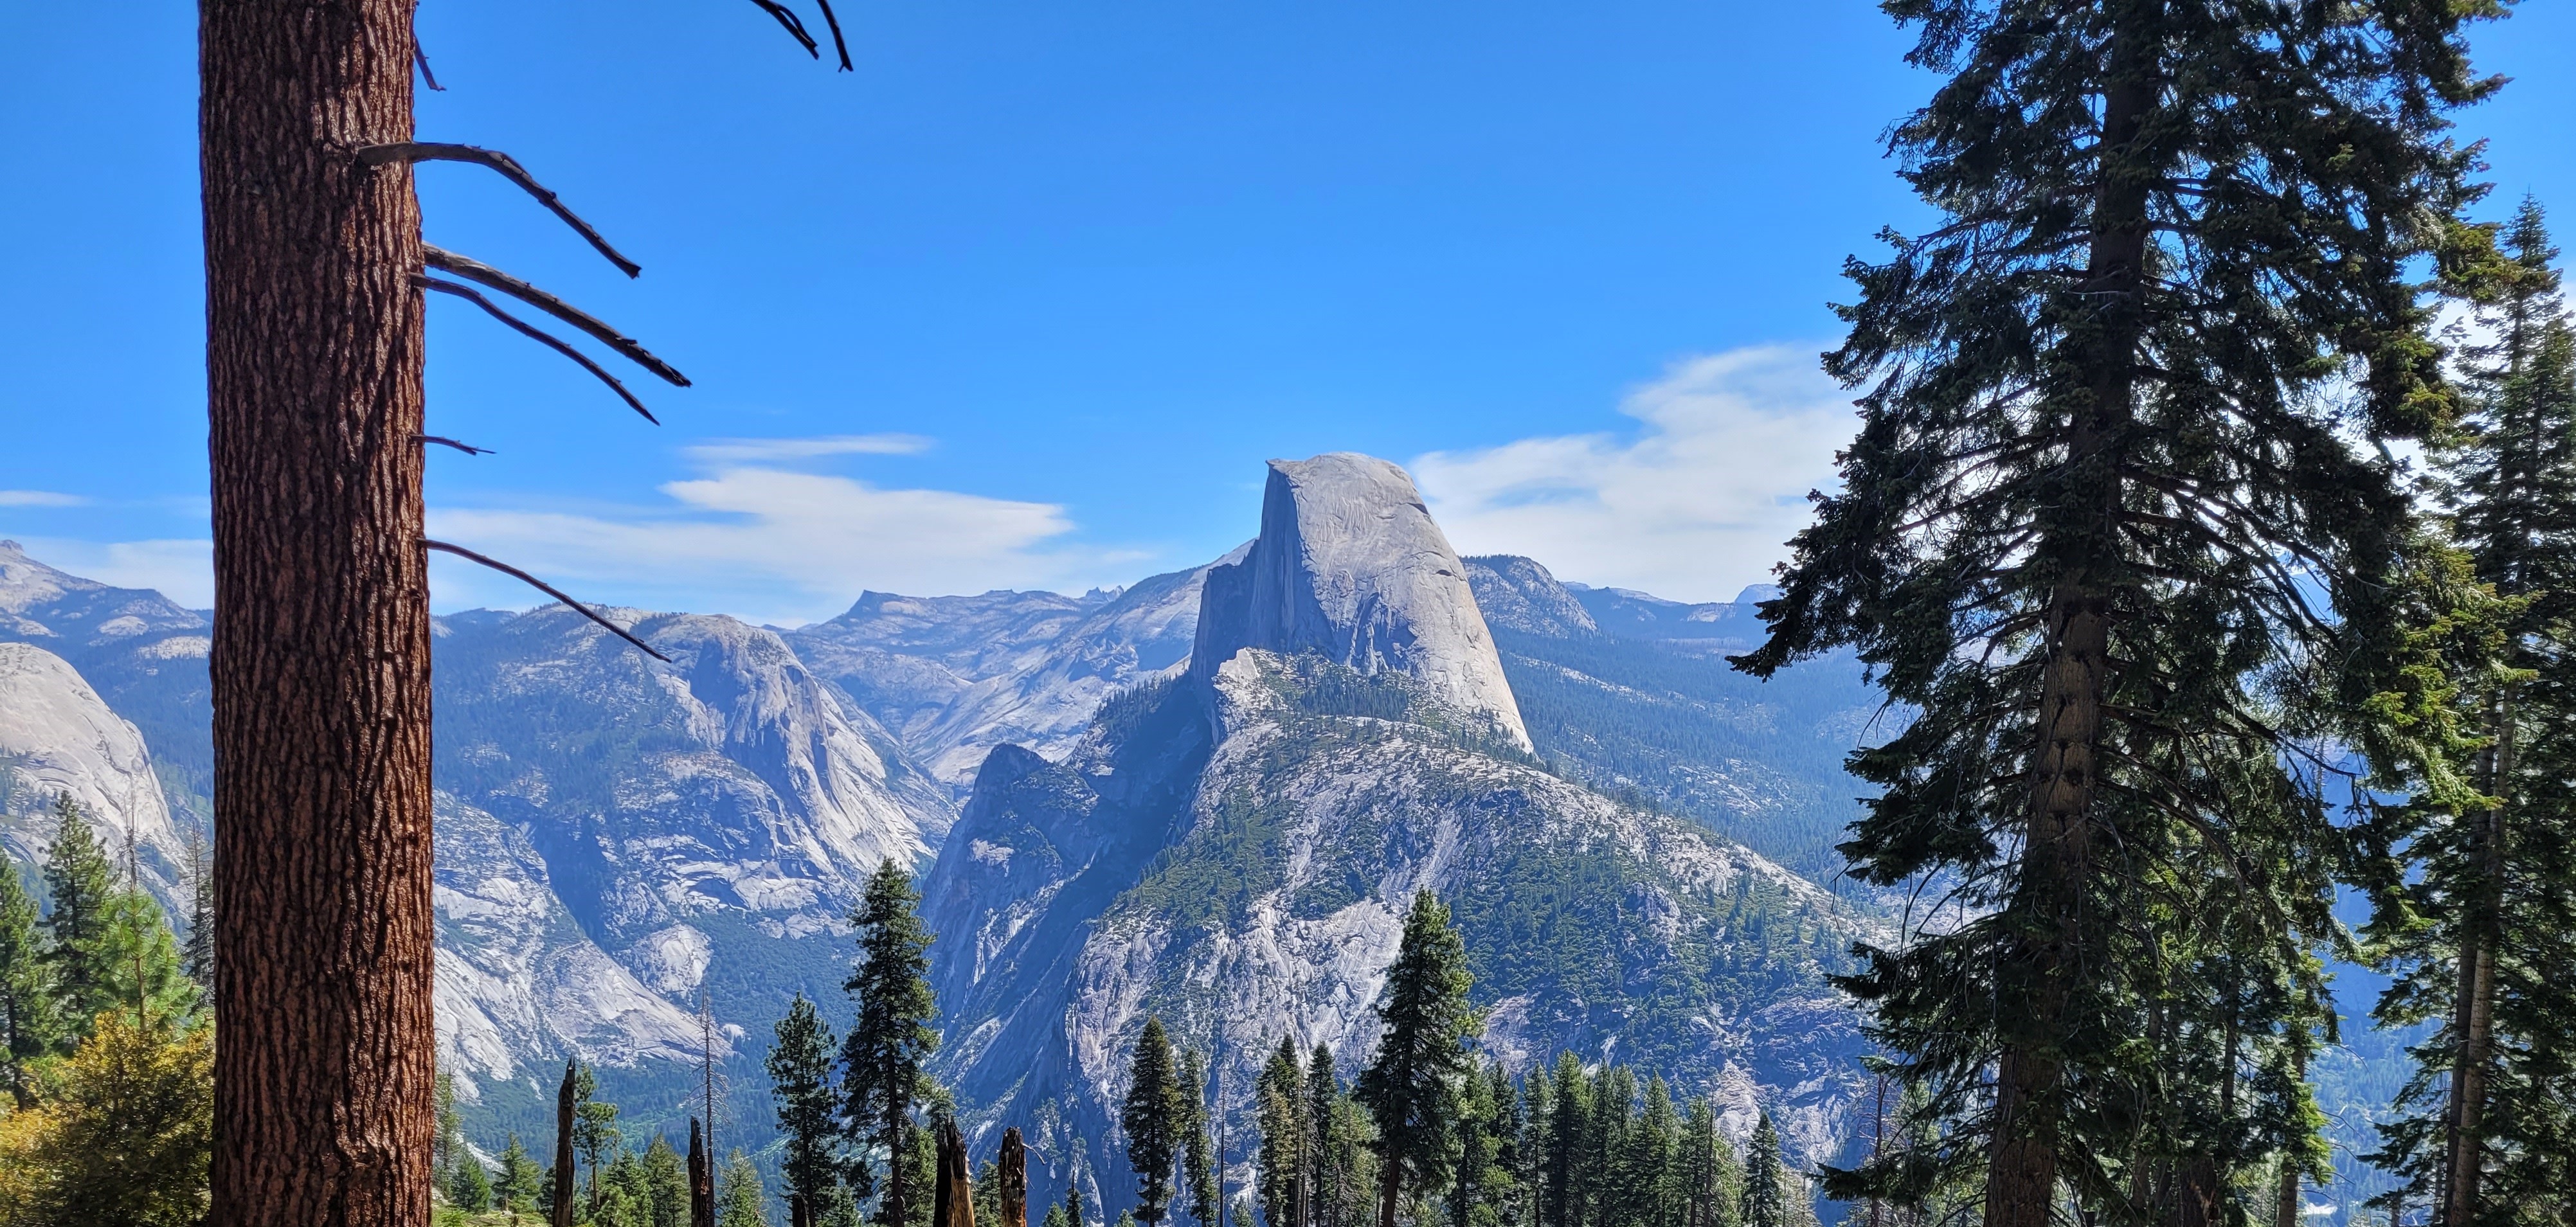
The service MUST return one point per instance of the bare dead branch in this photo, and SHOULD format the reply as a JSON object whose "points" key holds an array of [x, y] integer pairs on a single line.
{"points": [[549, 589], [539, 335], [508, 168], [421, 58], [794, 25], [477, 271], [444, 441], [839, 43]]}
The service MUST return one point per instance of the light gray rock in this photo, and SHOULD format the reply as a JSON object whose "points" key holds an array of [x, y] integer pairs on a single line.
{"points": [[519, 984], [58, 737], [1349, 566]]}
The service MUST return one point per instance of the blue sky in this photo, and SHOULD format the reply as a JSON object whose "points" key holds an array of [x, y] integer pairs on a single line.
{"points": [[1027, 299]]}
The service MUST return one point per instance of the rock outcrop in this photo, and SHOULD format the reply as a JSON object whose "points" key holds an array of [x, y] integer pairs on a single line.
{"points": [[1350, 567], [58, 737], [1231, 850]]}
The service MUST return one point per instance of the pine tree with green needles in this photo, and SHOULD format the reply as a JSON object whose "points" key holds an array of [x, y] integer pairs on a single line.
{"points": [[2118, 521], [1279, 1100], [29, 1020], [1330, 1190], [1709, 1190], [1769, 1186], [1423, 1061], [1643, 1170], [666, 1183], [447, 1138], [890, 1040], [517, 1186], [800, 1084], [1198, 1148], [1152, 1117], [1483, 1190], [2477, 898], [595, 1135], [468, 1186], [197, 954], [1562, 1166], [739, 1199], [80, 886], [1605, 1135]]}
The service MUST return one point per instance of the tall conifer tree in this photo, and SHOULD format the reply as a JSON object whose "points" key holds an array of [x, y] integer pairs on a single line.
{"points": [[2478, 938], [1152, 1117], [1198, 1147], [800, 1084], [890, 1039], [1423, 1061], [1284, 1128], [81, 887], [2102, 504], [1561, 1199], [27, 1014]]}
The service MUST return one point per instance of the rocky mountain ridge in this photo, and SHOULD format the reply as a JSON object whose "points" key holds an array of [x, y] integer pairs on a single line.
{"points": [[1231, 849], [620, 840]]}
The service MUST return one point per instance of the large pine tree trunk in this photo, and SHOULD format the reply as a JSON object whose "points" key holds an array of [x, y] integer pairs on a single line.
{"points": [[321, 650], [2075, 677], [2473, 1011]]}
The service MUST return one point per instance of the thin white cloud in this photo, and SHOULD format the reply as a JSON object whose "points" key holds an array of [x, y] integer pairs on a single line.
{"points": [[40, 498], [771, 545], [1694, 505], [776, 451], [181, 569]]}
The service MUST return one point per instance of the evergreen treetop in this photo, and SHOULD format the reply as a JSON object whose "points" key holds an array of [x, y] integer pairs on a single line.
{"points": [[1152, 1117], [1425, 1023], [890, 1039]]}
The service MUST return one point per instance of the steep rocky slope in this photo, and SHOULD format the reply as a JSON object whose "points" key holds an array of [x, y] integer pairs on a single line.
{"points": [[58, 737], [1632, 694], [1231, 849]]}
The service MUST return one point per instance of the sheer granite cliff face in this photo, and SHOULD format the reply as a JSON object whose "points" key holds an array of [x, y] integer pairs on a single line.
{"points": [[1350, 567], [59, 738]]}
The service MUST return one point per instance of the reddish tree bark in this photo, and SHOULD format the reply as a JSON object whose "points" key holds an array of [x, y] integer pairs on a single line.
{"points": [[321, 648]]}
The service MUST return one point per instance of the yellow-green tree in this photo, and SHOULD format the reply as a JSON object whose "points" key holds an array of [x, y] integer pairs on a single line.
{"points": [[124, 1134]]}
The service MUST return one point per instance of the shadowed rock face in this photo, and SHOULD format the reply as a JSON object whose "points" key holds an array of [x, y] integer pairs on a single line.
{"points": [[1350, 567]]}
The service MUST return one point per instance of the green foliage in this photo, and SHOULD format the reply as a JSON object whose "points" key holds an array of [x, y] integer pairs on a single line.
{"points": [[2476, 885], [595, 1135], [2121, 525], [29, 1017], [124, 1134], [890, 1038], [1152, 1117], [469, 1187], [80, 887], [520, 1181], [1280, 1104], [666, 1183], [1423, 1060], [739, 1200], [800, 1084], [1198, 1148]]}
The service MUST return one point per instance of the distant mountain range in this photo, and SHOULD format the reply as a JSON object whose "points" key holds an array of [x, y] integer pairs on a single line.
{"points": [[1203, 796]]}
